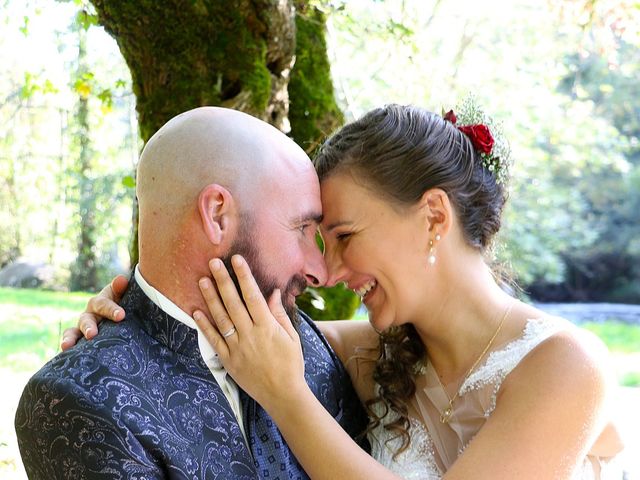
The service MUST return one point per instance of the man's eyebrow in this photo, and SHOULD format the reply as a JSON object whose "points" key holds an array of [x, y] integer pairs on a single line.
{"points": [[309, 217]]}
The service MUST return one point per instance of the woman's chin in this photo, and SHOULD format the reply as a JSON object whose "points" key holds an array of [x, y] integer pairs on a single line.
{"points": [[379, 322]]}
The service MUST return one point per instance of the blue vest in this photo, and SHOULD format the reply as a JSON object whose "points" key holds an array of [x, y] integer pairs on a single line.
{"points": [[138, 402]]}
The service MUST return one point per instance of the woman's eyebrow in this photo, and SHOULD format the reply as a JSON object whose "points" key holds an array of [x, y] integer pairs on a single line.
{"points": [[337, 224]]}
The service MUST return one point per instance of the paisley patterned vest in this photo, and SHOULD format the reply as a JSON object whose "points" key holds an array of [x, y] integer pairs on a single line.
{"points": [[138, 402]]}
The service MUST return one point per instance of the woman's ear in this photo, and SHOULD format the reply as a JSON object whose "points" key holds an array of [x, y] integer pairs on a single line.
{"points": [[438, 210], [216, 207]]}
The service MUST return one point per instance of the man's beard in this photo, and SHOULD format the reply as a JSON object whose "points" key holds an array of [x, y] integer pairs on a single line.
{"points": [[245, 245]]}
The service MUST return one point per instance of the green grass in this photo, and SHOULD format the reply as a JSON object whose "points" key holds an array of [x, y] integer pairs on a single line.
{"points": [[630, 379], [31, 325], [41, 298], [618, 336]]}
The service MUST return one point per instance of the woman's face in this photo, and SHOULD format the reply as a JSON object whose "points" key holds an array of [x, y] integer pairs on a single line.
{"points": [[378, 251]]}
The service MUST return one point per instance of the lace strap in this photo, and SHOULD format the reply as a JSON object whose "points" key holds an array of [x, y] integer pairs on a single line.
{"points": [[501, 362]]}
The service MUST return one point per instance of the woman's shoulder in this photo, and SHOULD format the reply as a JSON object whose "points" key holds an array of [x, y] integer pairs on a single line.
{"points": [[543, 338], [560, 338], [559, 357], [581, 362]]}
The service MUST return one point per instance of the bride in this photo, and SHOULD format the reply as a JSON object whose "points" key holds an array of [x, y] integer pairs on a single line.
{"points": [[460, 379]]}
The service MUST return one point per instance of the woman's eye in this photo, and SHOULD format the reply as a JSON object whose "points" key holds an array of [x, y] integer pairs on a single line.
{"points": [[303, 228], [343, 236]]}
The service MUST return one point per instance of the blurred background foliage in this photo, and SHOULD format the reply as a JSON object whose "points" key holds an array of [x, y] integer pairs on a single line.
{"points": [[561, 76]]}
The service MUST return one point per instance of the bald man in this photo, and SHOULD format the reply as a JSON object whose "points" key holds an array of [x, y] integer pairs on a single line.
{"points": [[148, 398]]}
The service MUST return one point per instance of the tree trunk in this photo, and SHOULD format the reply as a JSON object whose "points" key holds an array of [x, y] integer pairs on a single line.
{"points": [[84, 274], [187, 53], [313, 110]]}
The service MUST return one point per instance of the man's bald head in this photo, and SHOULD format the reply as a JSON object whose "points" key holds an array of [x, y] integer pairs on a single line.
{"points": [[208, 145]]}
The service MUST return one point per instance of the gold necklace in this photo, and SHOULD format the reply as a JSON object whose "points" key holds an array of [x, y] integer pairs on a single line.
{"points": [[445, 416]]}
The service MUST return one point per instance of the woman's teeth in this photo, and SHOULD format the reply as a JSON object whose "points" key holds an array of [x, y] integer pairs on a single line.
{"points": [[364, 289]]}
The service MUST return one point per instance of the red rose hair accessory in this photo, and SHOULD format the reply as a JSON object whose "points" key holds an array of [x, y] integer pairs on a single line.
{"points": [[478, 127], [480, 136]]}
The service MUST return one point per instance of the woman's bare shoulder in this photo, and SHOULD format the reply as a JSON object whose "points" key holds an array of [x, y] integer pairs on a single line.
{"points": [[570, 367]]}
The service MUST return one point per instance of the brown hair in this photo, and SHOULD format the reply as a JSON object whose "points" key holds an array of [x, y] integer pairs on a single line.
{"points": [[403, 151]]}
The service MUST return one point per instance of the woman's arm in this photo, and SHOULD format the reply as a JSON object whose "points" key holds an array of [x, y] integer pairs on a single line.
{"points": [[261, 350], [356, 344]]}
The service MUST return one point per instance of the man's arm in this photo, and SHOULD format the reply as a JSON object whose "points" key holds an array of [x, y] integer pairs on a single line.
{"points": [[65, 433]]}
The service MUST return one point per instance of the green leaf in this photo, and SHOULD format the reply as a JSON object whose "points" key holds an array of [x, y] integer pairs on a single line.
{"points": [[86, 20], [49, 87], [82, 88], [129, 181], [106, 97], [29, 87], [24, 29]]}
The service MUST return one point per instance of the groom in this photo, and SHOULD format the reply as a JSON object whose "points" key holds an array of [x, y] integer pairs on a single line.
{"points": [[148, 398]]}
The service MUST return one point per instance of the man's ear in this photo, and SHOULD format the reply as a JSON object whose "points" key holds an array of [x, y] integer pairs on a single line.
{"points": [[216, 207], [438, 211]]}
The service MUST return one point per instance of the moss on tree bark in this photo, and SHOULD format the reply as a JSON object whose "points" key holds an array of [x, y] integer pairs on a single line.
{"points": [[187, 53], [313, 111]]}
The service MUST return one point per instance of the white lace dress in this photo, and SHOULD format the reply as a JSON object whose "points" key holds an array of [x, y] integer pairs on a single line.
{"points": [[435, 446]]}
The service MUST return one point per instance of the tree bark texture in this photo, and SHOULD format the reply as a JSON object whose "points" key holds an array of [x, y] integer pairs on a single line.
{"points": [[187, 53], [313, 111]]}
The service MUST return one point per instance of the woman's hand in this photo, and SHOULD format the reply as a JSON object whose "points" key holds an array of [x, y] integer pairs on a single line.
{"points": [[256, 343], [103, 305]]}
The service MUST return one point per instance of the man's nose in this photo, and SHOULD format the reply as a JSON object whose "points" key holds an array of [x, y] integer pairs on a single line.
{"points": [[316, 269]]}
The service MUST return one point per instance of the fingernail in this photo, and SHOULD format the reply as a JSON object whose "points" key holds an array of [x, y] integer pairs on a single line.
{"points": [[203, 283], [215, 264], [116, 312], [236, 260]]}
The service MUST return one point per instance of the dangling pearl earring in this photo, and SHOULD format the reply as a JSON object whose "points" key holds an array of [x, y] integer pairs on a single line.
{"points": [[432, 251]]}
